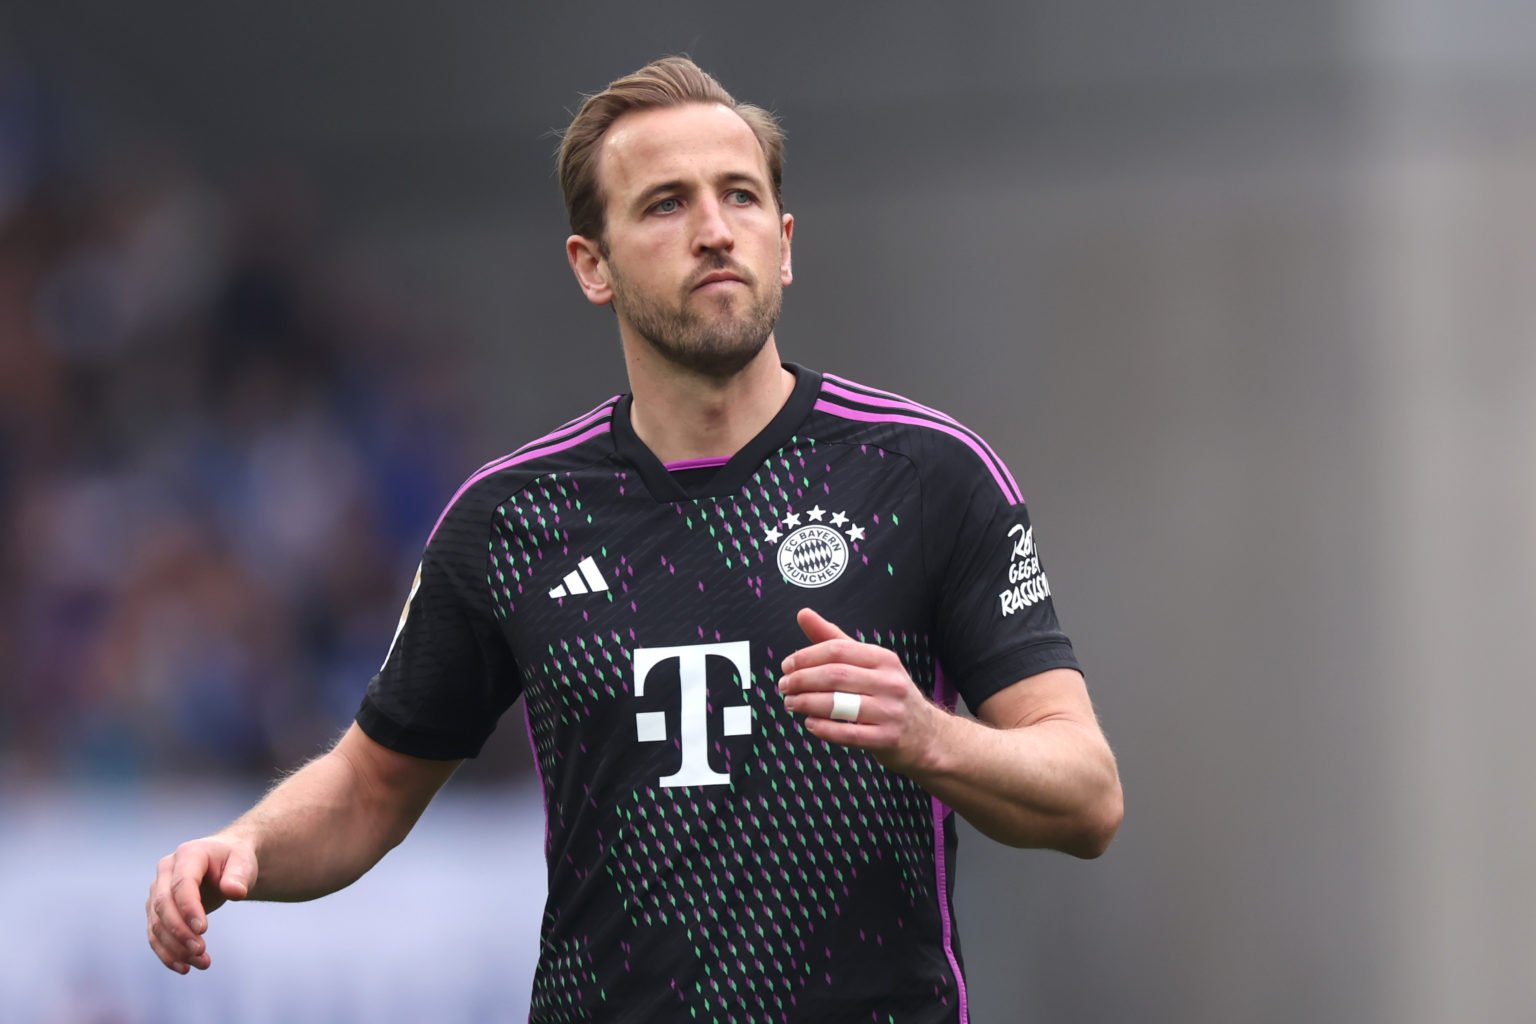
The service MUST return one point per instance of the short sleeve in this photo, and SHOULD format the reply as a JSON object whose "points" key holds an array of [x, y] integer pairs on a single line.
{"points": [[996, 623], [449, 674]]}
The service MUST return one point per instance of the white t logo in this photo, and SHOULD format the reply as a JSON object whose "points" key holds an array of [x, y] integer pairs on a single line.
{"points": [[693, 717]]}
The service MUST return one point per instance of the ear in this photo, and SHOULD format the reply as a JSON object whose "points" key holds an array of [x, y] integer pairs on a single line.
{"points": [[590, 267], [786, 273]]}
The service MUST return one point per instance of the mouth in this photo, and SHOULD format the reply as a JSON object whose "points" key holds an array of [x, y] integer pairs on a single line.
{"points": [[718, 277]]}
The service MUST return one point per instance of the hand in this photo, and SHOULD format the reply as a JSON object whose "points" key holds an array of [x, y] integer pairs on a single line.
{"points": [[191, 883], [896, 722]]}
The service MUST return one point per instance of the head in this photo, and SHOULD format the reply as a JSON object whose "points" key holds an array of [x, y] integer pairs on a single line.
{"points": [[668, 82], [673, 190]]}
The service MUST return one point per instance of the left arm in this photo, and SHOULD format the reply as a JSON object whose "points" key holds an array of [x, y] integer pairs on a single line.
{"points": [[1035, 771]]}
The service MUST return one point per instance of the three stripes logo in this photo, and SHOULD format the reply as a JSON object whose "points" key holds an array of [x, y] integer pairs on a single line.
{"points": [[587, 579]]}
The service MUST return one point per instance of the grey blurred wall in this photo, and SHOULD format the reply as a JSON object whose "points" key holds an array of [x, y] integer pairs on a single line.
{"points": [[1245, 294]]}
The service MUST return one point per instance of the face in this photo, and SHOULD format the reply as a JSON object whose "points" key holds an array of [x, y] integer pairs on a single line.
{"points": [[695, 256]]}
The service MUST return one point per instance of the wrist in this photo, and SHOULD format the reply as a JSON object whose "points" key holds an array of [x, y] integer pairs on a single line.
{"points": [[934, 756], [238, 835]]}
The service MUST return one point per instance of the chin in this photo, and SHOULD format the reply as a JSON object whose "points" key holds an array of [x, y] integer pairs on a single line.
{"points": [[719, 362]]}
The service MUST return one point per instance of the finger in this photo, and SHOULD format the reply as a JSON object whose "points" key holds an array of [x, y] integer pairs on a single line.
{"points": [[821, 704], [180, 950], [817, 628], [837, 652], [238, 875], [829, 644], [164, 916], [835, 675], [171, 960], [187, 873], [847, 734]]}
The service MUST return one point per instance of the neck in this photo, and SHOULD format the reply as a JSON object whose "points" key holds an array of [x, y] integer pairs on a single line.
{"points": [[682, 416]]}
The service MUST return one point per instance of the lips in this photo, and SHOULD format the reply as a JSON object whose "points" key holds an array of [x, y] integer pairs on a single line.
{"points": [[718, 276]]}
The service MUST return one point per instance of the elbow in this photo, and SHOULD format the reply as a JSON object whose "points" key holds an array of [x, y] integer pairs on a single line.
{"points": [[1084, 832], [1097, 825]]}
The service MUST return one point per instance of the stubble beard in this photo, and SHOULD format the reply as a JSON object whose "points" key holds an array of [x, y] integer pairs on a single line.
{"points": [[710, 338]]}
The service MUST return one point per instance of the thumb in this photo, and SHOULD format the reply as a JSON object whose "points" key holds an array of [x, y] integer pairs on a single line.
{"points": [[239, 874], [816, 628]]}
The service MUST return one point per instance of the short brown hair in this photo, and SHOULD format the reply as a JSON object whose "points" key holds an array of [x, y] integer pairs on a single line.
{"points": [[668, 82]]}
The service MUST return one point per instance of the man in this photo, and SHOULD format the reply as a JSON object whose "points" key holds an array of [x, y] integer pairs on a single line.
{"points": [[738, 604]]}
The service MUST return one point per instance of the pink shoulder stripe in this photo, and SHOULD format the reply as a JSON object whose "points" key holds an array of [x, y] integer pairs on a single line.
{"points": [[584, 418], [887, 399], [1000, 474], [866, 393], [596, 422]]}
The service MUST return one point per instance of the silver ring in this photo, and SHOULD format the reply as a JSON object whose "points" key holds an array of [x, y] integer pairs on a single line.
{"points": [[845, 706]]}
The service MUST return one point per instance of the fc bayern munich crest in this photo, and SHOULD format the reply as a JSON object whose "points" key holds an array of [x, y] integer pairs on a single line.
{"points": [[816, 553]]}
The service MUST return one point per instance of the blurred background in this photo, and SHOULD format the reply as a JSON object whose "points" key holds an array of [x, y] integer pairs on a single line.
{"points": [[1245, 293]]}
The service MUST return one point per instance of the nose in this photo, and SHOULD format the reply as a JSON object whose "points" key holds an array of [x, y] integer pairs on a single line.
{"points": [[712, 233]]}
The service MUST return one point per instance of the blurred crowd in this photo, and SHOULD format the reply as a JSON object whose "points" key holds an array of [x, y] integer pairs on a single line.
{"points": [[221, 449]]}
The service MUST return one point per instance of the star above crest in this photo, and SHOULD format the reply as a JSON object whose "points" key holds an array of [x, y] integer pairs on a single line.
{"points": [[792, 522]]}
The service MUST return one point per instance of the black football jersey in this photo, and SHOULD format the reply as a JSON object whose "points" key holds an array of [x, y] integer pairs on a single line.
{"points": [[708, 858]]}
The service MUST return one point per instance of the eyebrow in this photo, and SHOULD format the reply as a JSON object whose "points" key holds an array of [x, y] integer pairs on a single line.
{"points": [[645, 198]]}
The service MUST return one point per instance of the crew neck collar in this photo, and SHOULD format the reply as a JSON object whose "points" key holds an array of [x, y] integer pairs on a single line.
{"points": [[664, 486]]}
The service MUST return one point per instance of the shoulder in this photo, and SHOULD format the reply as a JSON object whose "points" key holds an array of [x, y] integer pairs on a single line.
{"points": [[938, 445], [577, 442]]}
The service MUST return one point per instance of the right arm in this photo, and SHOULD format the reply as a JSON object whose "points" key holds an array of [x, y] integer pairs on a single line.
{"points": [[316, 832]]}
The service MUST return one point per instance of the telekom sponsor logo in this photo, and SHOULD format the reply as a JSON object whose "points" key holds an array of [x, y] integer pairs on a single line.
{"points": [[693, 706]]}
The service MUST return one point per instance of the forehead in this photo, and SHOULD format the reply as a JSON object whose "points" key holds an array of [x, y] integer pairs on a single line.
{"points": [[697, 141]]}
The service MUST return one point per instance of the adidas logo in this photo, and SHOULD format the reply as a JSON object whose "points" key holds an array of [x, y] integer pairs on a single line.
{"points": [[585, 580]]}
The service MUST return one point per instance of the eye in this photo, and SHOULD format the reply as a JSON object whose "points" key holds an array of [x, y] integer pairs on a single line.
{"points": [[668, 205], [740, 197]]}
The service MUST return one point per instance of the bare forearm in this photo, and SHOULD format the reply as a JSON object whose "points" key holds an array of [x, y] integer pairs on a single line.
{"points": [[324, 826], [1053, 784], [315, 832], [310, 834]]}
